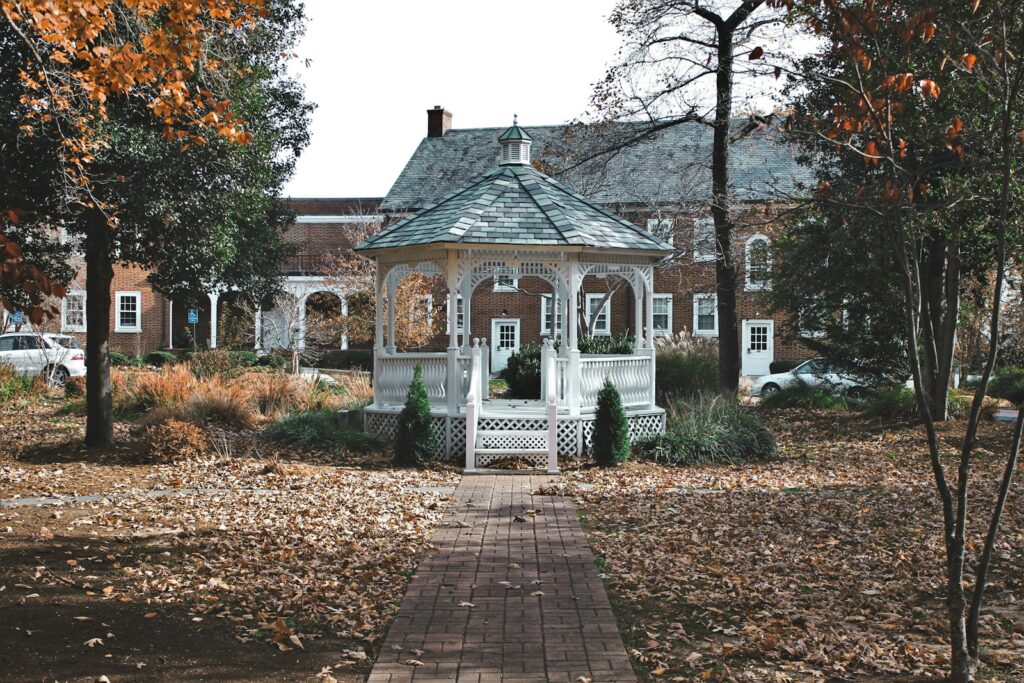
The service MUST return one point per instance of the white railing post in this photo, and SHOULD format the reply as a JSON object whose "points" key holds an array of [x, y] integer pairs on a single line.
{"points": [[653, 354], [552, 403], [485, 370], [472, 406], [546, 378], [453, 382]]}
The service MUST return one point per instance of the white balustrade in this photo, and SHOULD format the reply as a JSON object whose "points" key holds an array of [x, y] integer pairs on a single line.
{"points": [[395, 372], [631, 375], [473, 401]]}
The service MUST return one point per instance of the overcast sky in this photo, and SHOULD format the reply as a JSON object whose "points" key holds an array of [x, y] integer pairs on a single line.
{"points": [[376, 67]]}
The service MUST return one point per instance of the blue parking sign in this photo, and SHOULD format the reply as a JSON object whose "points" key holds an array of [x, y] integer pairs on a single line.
{"points": [[18, 317], [193, 316]]}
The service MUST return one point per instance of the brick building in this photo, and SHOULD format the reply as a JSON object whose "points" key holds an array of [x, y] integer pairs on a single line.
{"points": [[662, 185]]}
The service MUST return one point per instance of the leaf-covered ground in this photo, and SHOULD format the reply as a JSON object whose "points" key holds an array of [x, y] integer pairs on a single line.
{"points": [[824, 565], [256, 563]]}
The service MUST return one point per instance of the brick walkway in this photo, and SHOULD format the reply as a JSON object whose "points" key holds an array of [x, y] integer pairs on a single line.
{"points": [[487, 559]]}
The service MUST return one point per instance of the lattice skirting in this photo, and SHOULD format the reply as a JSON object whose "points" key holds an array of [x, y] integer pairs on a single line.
{"points": [[574, 433]]}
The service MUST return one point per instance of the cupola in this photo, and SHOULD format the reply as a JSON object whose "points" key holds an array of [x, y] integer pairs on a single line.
{"points": [[515, 145]]}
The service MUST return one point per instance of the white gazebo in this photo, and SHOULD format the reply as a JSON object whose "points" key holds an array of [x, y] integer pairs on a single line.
{"points": [[515, 222]]}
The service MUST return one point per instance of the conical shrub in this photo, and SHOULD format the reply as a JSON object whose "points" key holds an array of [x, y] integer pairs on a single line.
{"points": [[415, 441], [611, 430]]}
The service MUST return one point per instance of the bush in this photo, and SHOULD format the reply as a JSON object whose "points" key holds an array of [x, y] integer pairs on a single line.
{"points": [[523, 372], [320, 430], [120, 360], [170, 385], [174, 440], [272, 359], [893, 403], [215, 362], [1008, 384], [707, 429], [415, 441], [619, 345], [352, 359], [74, 387], [219, 403], [684, 374], [800, 394], [611, 430], [159, 359], [245, 358], [12, 384], [274, 395]]}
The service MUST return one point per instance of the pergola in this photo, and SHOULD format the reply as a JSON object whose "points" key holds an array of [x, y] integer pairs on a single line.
{"points": [[514, 222]]}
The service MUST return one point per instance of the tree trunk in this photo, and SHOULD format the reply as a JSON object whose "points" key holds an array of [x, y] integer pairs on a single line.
{"points": [[99, 273], [725, 267]]}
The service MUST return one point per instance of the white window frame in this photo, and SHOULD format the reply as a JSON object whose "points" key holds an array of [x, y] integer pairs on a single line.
{"points": [[754, 286], [699, 256], [118, 327], [697, 298], [460, 317], [64, 325], [662, 229], [545, 329], [667, 298], [498, 287], [606, 329]]}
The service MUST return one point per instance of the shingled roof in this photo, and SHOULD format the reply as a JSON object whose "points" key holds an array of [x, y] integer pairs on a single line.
{"points": [[671, 167], [516, 205]]}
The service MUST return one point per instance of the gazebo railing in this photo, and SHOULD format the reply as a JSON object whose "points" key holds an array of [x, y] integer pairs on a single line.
{"points": [[631, 375], [394, 374]]}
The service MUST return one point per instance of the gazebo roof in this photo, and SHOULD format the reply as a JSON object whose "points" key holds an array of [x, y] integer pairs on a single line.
{"points": [[516, 205]]}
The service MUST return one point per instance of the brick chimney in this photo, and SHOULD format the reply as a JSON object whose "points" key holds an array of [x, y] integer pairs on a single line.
{"points": [[439, 122]]}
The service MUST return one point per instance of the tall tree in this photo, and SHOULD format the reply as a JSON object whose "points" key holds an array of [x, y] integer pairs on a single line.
{"points": [[928, 96], [173, 161], [694, 61]]}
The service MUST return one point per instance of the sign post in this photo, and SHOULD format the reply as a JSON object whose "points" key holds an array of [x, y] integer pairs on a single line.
{"points": [[193, 319]]}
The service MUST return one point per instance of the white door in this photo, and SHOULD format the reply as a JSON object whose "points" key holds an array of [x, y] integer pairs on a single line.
{"points": [[504, 340], [758, 347]]}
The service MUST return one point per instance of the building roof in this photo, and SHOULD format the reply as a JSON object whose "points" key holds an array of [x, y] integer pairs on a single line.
{"points": [[672, 167], [516, 205], [333, 206]]}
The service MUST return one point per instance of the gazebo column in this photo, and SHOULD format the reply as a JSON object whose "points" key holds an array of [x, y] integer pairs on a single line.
{"points": [[454, 379], [392, 286], [649, 296], [638, 310], [378, 332], [573, 370], [467, 312]]}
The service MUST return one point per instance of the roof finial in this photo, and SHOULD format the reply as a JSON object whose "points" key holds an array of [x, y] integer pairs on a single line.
{"points": [[515, 119]]}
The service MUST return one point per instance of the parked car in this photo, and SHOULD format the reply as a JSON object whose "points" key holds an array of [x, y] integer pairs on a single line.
{"points": [[58, 356], [816, 372]]}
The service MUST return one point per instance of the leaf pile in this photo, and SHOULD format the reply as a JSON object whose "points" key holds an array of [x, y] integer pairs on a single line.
{"points": [[824, 564]]}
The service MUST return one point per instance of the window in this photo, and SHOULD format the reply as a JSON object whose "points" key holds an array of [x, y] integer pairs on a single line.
{"points": [[506, 283], [460, 317], [602, 326], [663, 314], [704, 240], [546, 304], [427, 308], [128, 312], [72, 314], [28, 343], [7, 343], [661, 228], [759, 263], [705, 315]]}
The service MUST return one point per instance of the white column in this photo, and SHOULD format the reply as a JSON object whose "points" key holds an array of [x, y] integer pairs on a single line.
{"points": [[170, 324], [638, 306], [392, 338], [214, 297], [454, 381], [258, 329], [467, 311], [378, 334], [649, 280], [575, 283], [344, 312], [300, 342]]}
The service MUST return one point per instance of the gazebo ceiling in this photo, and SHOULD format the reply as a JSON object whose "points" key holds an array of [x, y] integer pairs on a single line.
{"points": [[516, 205]]}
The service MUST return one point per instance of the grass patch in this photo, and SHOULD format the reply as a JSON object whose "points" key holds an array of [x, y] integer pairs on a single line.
{"points": [[803, 395], [709, 429], [319, 431]]}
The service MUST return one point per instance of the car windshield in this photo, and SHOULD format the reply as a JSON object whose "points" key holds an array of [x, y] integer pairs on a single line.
{"points": [[811, 367], [67, 342]]}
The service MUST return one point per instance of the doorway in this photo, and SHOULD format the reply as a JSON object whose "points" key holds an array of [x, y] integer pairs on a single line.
{"points": [[758, 347], [504, 340]]}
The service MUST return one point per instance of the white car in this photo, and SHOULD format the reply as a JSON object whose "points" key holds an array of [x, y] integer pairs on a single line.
{"points": [[816, 373], [57, 355]]}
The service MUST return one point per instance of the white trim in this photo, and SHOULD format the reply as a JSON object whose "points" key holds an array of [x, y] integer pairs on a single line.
{"points": [[697, 298], [700, 225], [118, 327], [757, 287], [514, 287], [668, 298], [64, 326], [662, 229], [545, 329], [606, 329], [368, 218]]}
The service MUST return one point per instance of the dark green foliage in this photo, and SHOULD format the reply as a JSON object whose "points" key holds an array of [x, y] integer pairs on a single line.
{"points": [[1008, 384], [611, 430], [709, 429], [684, 374], [352, 359], [621, 344], [272, 359], [121, 360], [245, 358], [319, 431], [206, 364], [160, 358], [12, 384], [523, 372], [893, 403], [800, 394], [415, 441]]}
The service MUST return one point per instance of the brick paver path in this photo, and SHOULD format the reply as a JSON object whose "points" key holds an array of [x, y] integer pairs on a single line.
{"points": [[511, 633]]}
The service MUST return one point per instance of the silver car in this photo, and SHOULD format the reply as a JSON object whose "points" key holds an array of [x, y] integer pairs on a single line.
{"points": [[816, 372], [58, 356]]}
